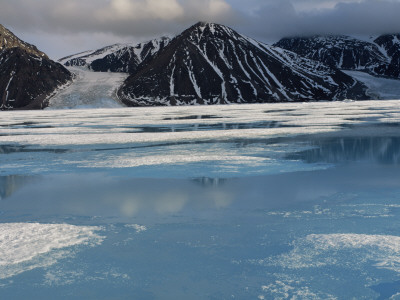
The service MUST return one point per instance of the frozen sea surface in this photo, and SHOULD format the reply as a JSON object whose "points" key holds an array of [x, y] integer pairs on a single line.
{"points": [[278, 201]]}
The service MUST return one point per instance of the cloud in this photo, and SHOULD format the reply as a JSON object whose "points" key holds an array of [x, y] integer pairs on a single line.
{"points": [[120, 17], [276, 19], [53, 25], [126, 10], [97, 21]]}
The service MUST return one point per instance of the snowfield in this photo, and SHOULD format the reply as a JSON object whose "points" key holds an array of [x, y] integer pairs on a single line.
{"points": [[89, 90]]}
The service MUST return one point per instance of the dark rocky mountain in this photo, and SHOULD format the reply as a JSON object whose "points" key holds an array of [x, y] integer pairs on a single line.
{"points": [[390, 44], [9, 40], [27, 76], [212, 64], [118, 57], [342, 52]]}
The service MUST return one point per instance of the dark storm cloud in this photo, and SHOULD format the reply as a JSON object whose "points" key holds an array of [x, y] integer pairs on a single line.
{"points": [[289, 18], [152, 17]]}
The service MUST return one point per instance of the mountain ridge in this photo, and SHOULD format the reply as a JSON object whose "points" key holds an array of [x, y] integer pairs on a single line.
{"points": [[9, 40], [379, 56], [212, 64], [123, 58]]}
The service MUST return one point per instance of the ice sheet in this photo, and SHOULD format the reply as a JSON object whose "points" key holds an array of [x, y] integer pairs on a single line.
{"points": [[225, 138], [130, 125]]}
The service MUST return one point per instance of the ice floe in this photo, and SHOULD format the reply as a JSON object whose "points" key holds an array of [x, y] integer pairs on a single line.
{"points": [[26, 246]]}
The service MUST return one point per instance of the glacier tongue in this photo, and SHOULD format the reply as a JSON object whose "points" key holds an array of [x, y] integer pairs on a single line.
{"points": [[89, 90], [378, 87]]}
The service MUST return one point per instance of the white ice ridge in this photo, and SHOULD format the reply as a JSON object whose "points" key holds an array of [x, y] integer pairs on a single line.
{"points": [[26, 246], [318, 250]]}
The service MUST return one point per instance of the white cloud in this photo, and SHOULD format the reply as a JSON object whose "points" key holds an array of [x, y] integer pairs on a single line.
{"points": [[125, 10], [218, 7]]}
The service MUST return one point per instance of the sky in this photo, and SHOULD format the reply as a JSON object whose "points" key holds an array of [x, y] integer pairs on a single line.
{"points": [[64, 27]]}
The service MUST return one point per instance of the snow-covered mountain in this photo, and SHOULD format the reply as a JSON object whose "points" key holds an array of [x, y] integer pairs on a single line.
{"points": [[27, 76], [342, 52], [213, 64], [377, 57], [118, 57], [390, 45]]}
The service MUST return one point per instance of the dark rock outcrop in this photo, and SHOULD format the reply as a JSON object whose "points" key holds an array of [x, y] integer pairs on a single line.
{"points": [[212, 64], [341, 52], [390, 43], [27, 76], [8, 40]]}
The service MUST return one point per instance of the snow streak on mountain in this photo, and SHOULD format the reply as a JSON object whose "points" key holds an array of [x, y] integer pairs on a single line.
{"points": [[380, 57], [342, 52], [212, 64], [390, 45], [27, 76], [117, 58]]}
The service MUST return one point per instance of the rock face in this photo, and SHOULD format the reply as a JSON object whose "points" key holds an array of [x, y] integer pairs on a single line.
{"points": [[212, 64], [380, 57], [390, 44], [27, 76], [117, 58], [9, 40], [342, 52]]}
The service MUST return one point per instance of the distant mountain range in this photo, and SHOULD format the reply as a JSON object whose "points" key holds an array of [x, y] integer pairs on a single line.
{"points": [[212, 64], [27, 76], [206, 64], [118, 57], [378, 57]]}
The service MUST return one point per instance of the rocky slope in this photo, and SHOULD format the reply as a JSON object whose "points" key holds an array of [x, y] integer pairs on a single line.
{"points": [[212, 64], [342, 52], [27, 76], [379, 57], [390, 45], [9, 40], [118, 57]]}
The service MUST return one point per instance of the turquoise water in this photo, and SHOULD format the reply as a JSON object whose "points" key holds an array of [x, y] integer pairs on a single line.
{"points": [[222, 206]]}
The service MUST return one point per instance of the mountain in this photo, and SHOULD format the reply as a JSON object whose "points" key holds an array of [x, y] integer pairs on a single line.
{"points": [[390, 44], [213, 64], [9, 40], [118, 57], [341, 52], [27, 76]]}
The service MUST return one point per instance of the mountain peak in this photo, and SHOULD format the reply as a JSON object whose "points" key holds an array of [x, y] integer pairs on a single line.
{"points": [[8, 40], [208, 27], [212, 64]]}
